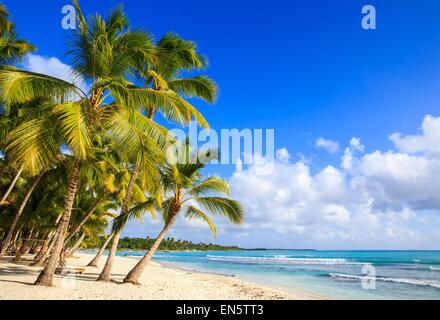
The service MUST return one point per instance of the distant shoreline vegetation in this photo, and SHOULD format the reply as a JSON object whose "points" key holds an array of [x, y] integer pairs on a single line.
{"points": [[169, 244]]}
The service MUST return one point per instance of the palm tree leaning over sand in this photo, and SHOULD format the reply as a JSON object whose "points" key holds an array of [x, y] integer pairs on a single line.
{"points": [[97, 257], [142, 159], [26, 197], [173, 56], [187, 191], [103, 54], [56, 151]]}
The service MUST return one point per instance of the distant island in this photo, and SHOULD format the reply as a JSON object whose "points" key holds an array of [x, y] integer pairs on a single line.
{"points": [[169, 244]]}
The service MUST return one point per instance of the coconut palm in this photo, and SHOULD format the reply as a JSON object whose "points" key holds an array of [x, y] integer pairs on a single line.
{"points": [[174, 58], [33, 184], [183, 56], [96, 223], [95, 260], [11, 48], [103, 53], [88, 207], [103, 101], [187, 191], [147, 178]]}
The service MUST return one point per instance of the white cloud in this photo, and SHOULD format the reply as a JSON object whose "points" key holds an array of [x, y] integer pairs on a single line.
{"points": [[381, 199], [329, 145], [426, 142], [52, 66], [373, 200], [348, 157], [355, 144], [283, 155]]}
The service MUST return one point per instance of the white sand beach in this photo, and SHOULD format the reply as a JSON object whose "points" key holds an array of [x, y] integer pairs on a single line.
{"points": [[158, 283]]}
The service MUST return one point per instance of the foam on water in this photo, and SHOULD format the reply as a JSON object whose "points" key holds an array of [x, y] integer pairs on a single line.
{"points": [[417, 282], [279, 259]]}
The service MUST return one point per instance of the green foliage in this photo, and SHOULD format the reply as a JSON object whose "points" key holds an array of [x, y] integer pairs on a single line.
{"points": [[48, 124], [11, 48], [169, 244]]}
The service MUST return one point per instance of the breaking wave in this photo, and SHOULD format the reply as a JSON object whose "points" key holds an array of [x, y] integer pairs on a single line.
{"points": [[283, 260], [417, 282]]}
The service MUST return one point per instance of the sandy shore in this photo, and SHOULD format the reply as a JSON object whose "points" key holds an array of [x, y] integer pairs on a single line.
{"points": [[158, 283]]}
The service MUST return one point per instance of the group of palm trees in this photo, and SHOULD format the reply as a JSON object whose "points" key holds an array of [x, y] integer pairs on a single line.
{"points": [[76, 162]]}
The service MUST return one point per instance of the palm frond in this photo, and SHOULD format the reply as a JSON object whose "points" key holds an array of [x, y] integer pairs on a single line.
{"points": [[80, 17], [192, 212], [33, 145], [141, 140], [228, 208], [136, 213], [175, 54], [74, 124], [196, 87], [211, 184], [19, 86]]}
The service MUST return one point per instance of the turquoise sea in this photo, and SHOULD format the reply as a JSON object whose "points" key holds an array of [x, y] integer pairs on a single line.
{"points": [[333, 274]]}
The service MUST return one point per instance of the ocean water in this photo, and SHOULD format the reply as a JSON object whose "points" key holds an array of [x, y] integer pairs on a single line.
{"points": [[333, 274]]}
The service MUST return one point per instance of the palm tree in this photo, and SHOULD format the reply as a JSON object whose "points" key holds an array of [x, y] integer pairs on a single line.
{"points": [[100, 173], [95, 260], [11, 185], [11, 48], [20, 210], [173, 56], [186, 190], [106, 55], [88, 208], [141, 158], [92, 227], [103, 54]]}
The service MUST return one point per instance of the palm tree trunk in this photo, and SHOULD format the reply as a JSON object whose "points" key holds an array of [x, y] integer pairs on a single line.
{"points": [[46, 276], [94, 262], [42, 251], [11, 186], [21, 251], [35, 244], [134, 275], [2, 169], [15, 238], [82, 223], [106, 272], [76, 246], [41, 258], [23, 246], [18, 214]]}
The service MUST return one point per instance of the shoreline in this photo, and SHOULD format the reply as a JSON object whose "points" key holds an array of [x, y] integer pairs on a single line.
{"points": [[299, 294], [159, 282]]}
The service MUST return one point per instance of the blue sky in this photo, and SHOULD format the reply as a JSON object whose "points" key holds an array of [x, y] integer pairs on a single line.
{"points": [[304, 68]]}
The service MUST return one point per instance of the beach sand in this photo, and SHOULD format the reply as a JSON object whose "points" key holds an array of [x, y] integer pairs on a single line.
{"points": [[158, 283]]}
